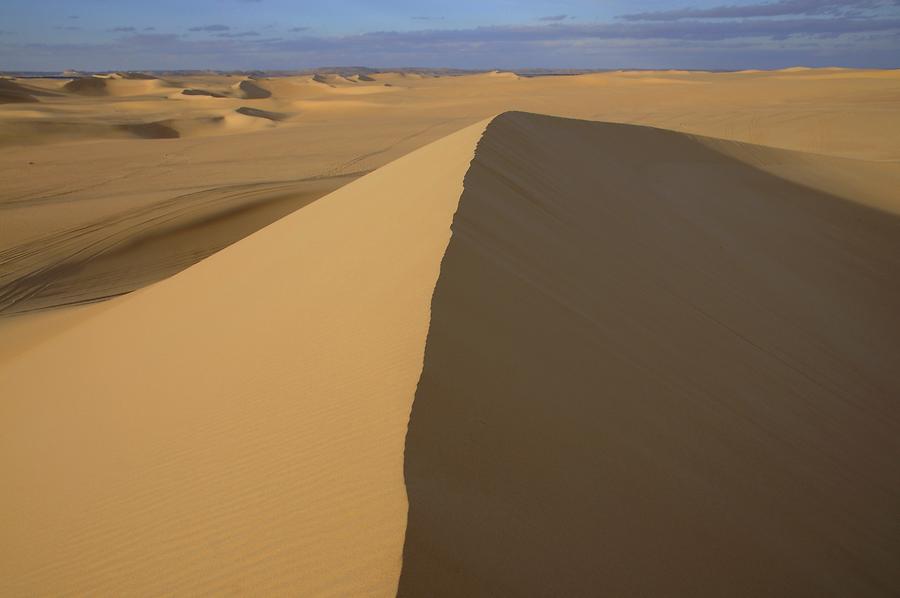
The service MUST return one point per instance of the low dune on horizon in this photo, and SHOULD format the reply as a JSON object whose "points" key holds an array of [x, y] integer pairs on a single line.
{"points": [[625, 334]]}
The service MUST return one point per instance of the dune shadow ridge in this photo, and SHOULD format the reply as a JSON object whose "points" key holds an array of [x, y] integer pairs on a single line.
{"points": [[654, 369]]}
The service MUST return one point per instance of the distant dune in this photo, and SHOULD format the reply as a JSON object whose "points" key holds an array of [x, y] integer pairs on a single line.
{"points": [[116, 85], [13, 93], [253, 91], [157, 130], [138, 76], [88, 86], [202, 92], [639, 362], [256, 112]]}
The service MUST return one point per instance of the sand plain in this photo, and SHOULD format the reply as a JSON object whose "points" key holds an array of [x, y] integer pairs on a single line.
{"points": [[642, 343]]}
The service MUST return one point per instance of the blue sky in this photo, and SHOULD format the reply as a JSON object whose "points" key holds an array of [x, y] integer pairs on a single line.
{"points": [[295, 34]]}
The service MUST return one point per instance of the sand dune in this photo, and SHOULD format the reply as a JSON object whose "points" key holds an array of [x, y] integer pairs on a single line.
{"points": [[253, 91], [13, 93], [29, 87], [157, 130], [138, 76], [88, 86], [114, 86], [636, 368], [113, 255], [257, 113], [128, 87], [202, 92]]}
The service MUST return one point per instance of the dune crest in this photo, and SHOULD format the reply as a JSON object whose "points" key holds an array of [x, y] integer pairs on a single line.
{"points": [[88, 86], [201, 93], [13, 93], [253, 91], [257, 113]]}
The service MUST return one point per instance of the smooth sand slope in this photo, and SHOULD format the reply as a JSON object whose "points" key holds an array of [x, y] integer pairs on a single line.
{"points": [[655, 368], [115, 254], [238, 428], [177, 168], [654, 364]]}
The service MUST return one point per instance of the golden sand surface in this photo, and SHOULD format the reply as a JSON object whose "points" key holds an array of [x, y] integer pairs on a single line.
{"points": [[645, 343]]}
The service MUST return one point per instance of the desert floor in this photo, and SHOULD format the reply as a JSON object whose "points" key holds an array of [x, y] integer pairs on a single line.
{"points": [[631, 333]]}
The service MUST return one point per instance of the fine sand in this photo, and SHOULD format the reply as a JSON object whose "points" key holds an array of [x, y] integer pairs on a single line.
{"points": [[511, 355]]}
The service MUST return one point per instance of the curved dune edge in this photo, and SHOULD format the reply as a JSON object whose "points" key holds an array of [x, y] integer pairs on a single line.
{"points": [[655, 368], [238, 427], [630, 368]]}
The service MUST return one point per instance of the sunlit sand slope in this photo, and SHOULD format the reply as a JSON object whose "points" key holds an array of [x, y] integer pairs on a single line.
{"points": [[239, 427], [654, 368], [113, 255]]}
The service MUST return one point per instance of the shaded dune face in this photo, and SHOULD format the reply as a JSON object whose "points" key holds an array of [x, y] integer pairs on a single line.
{"points": [[202, 92], [13, 93], [257, 113], [89, 86], [139, 76], [155, 130], [654, 369], [252, 91]]}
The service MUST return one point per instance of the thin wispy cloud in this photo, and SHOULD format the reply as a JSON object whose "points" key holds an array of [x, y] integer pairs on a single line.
{"points": [[781, 8], [151, 40], [210, 28], [238, 35]]}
